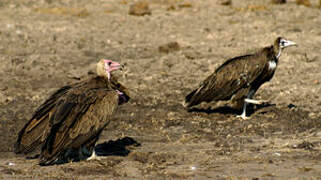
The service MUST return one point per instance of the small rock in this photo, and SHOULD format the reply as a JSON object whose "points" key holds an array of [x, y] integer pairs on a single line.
{"points": [[36, 98], [305, 145], [312, 114], [10, 26], [169, 47], [225, 2], [278, 1], [306, 169], [139, 8], [303, 2], [11, 164], [316, 82], [5, 99], [207, 29], [277, 154], [171, 8], [185, 5], [82, 13]]}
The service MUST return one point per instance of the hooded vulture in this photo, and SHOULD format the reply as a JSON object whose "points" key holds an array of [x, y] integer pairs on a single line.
{"points": [[239, 78], [68, 124]]}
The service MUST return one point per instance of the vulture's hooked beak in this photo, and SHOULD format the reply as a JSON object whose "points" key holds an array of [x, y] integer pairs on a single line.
{"points": [[289, 43]]}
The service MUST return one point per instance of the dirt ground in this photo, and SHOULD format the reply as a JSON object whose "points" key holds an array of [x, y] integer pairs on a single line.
{"points": [[45, 44]]}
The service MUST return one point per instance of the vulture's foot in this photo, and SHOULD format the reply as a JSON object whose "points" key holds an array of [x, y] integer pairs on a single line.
{"points": [[94, 157], [243, 116]]}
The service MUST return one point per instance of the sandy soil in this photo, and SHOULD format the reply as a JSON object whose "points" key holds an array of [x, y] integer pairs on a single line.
{"points": [[45, 44]]}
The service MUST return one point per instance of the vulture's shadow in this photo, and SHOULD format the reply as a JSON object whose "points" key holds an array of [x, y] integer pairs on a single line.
{"points": [[110, 148], [229, 110], [116, 148]]}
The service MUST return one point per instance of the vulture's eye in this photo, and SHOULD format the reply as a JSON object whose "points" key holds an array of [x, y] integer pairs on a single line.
{"points": [[109, 63], [282, 43]]}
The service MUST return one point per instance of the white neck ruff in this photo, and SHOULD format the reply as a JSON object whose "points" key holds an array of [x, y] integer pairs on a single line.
{"points": [[272, 65]]}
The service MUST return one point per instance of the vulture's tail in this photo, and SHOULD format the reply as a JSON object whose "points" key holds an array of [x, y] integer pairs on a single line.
{"points": [[188, 99]]}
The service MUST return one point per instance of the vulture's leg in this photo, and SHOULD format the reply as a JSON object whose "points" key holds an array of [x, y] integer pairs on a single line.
{"points": [[249, 97], [93, 156], [253, 101], [91, 146], [243, 115]]}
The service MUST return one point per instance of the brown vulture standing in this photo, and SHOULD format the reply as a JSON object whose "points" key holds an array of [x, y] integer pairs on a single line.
{"points": [[239, 78], [68, 124]]}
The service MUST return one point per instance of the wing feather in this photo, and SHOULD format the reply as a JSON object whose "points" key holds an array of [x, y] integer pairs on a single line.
{"points": [[33, 134], [233, 75], [86, 114]]}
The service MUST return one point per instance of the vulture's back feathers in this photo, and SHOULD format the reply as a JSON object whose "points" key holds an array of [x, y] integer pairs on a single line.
{"points": [[87, 114], [33, 134], [233, 75]]}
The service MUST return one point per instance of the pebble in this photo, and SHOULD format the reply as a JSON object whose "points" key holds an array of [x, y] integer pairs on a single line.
{"points": [[169, 47], [303, 2], [11, 164], [278, 1], [277, 154], [139, 8], [225, 2]]}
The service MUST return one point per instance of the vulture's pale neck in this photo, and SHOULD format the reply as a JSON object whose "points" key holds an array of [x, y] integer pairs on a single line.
{"points": [[107, 71], [108, 76]]}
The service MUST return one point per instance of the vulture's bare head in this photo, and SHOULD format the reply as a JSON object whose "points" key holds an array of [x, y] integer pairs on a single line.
{"points": [[106, 66], [281, 43]]}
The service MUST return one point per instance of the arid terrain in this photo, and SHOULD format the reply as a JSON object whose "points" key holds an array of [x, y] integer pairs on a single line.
{"points": [[45, 44]]}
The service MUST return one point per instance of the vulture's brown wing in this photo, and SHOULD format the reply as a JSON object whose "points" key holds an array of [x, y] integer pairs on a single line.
{"points": [[233, 75], [33, 134], [78, 117]]}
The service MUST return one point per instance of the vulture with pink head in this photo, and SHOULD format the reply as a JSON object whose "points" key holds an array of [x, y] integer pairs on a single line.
{"points": [[68, 124]]}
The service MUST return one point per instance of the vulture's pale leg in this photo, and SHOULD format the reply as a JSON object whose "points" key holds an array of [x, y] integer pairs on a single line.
{"points": [[93, 156], [243, 115], [249, 97], [253, 101]]}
